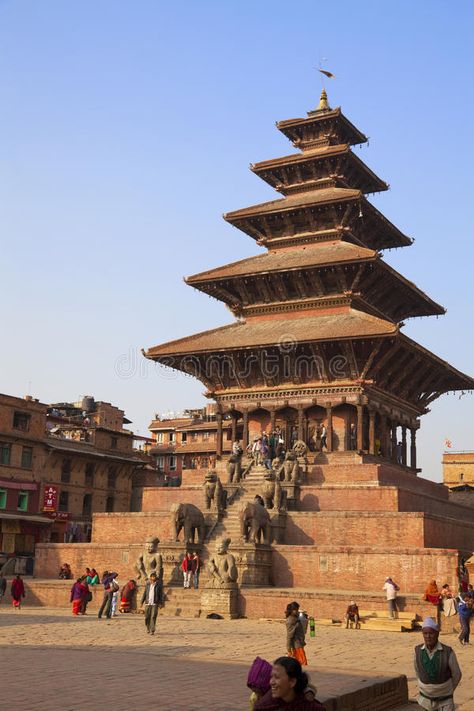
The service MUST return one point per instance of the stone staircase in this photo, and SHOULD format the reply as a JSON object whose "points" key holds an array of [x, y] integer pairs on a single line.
{"points": [[229, 525], [181, 602]]}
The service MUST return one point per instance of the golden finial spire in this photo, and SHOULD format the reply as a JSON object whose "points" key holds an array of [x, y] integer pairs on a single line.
{"points": [[323, 102]]}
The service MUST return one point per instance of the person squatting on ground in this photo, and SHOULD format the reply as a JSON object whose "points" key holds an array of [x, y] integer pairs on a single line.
{"points": [[447, 601], [17, 592], [391, 590], [107, 580], [437, 670], [432, 593], [153, 598], [352, 615], [127, 596], [289, 689], [65, 572], [295, 642]]}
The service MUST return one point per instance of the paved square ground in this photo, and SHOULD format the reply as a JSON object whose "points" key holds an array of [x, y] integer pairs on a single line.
{"points": [[52, 661]]}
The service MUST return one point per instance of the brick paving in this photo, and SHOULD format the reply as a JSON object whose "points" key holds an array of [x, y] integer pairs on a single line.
{"points": [[52, 661]]}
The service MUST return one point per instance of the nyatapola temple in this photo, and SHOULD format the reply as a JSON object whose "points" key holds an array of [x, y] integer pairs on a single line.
{"points": [[317, 354]]}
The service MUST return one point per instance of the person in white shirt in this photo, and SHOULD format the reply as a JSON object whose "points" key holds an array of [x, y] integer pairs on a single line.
{"points": [[437, 670], [153, 597], [391, 589]]}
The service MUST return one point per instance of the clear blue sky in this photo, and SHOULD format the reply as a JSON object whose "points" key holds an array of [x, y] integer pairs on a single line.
{"points": [[126, 131]]}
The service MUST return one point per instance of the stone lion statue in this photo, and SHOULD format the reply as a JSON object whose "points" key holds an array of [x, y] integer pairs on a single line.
{"points": [[214, 493]]}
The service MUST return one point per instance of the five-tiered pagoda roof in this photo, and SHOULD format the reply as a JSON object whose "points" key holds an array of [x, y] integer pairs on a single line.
{"points": [[323, 286]]}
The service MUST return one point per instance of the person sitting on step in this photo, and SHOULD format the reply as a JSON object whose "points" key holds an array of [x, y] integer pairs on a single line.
{"points": [[352, 615]]}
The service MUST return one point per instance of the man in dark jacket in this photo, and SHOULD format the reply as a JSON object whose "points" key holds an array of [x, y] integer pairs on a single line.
{"points": [[153, 598], [437, 670]]}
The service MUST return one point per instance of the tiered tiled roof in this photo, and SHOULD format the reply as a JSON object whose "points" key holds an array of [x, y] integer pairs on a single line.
{"points": [[271, 330], [322, 283]]}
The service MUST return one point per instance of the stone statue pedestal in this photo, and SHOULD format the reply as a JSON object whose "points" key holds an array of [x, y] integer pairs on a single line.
{"points": [[278, 521], [292, 494], [254, 562], [223, 601]]}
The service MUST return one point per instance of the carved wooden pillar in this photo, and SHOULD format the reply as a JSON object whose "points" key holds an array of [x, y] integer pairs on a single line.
{"points": [[347, 432], [360, 428], [245, 433], [371, 432], [394, 442], [300, 423], [413, 448], [272, 420], [219, 435], [234, 427], [329, 428], [404, 446], [383, 436]]}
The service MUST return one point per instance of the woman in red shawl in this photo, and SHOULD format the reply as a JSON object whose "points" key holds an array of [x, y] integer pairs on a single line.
{"points": [[17, 591], [432, 593], [126, 597], [78, 594]]}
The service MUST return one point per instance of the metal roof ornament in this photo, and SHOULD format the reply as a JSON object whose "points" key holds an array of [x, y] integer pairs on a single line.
{"points": [[323, 102]]}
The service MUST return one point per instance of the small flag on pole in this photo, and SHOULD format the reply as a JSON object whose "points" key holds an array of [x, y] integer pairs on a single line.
{"points": [[329, 75], [448, 444]]}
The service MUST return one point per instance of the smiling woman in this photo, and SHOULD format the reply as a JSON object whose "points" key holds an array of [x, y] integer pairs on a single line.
{"points": [[289, 689]]}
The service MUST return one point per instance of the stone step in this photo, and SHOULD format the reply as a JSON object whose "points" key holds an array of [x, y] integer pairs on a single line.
{"points": [[379, 625], [369, 623], [180, 602], [383, 614]]}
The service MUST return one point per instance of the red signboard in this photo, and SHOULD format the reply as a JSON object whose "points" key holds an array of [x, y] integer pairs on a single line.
{"points": [[58, 515], [50, 500]]}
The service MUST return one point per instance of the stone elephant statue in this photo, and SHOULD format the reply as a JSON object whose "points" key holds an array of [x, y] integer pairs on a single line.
{"points": [[255, 525], [189, 518], [273, 495], [214, 493]]}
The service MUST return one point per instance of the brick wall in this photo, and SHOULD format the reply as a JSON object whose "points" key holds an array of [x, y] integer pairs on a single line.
{"points": [[383, 528], [357, 568], [374, 473], [131, 527], [159, 498]]}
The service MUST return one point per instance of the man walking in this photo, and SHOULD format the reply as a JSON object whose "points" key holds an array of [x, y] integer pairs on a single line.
{"points": [[153, 597], [465, 611], [436, 669]]}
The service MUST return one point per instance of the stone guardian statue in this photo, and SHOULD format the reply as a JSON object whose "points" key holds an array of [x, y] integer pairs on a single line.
{"points": [[150, 560]]}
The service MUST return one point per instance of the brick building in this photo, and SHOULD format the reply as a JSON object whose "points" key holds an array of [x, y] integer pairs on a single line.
{"points": [[188, 442], [59, 464], [458, 474]]}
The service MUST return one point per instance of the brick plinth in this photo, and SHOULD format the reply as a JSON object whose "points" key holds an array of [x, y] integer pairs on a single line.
{"points": [[392, 528], [361, 568], [221, 601]]}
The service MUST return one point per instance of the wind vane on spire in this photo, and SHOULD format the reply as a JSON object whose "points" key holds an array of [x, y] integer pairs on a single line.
{"points": [[327, 74]]}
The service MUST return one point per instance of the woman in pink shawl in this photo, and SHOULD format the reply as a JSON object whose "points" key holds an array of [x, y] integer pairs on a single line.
{"points": [[17, 591]]}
